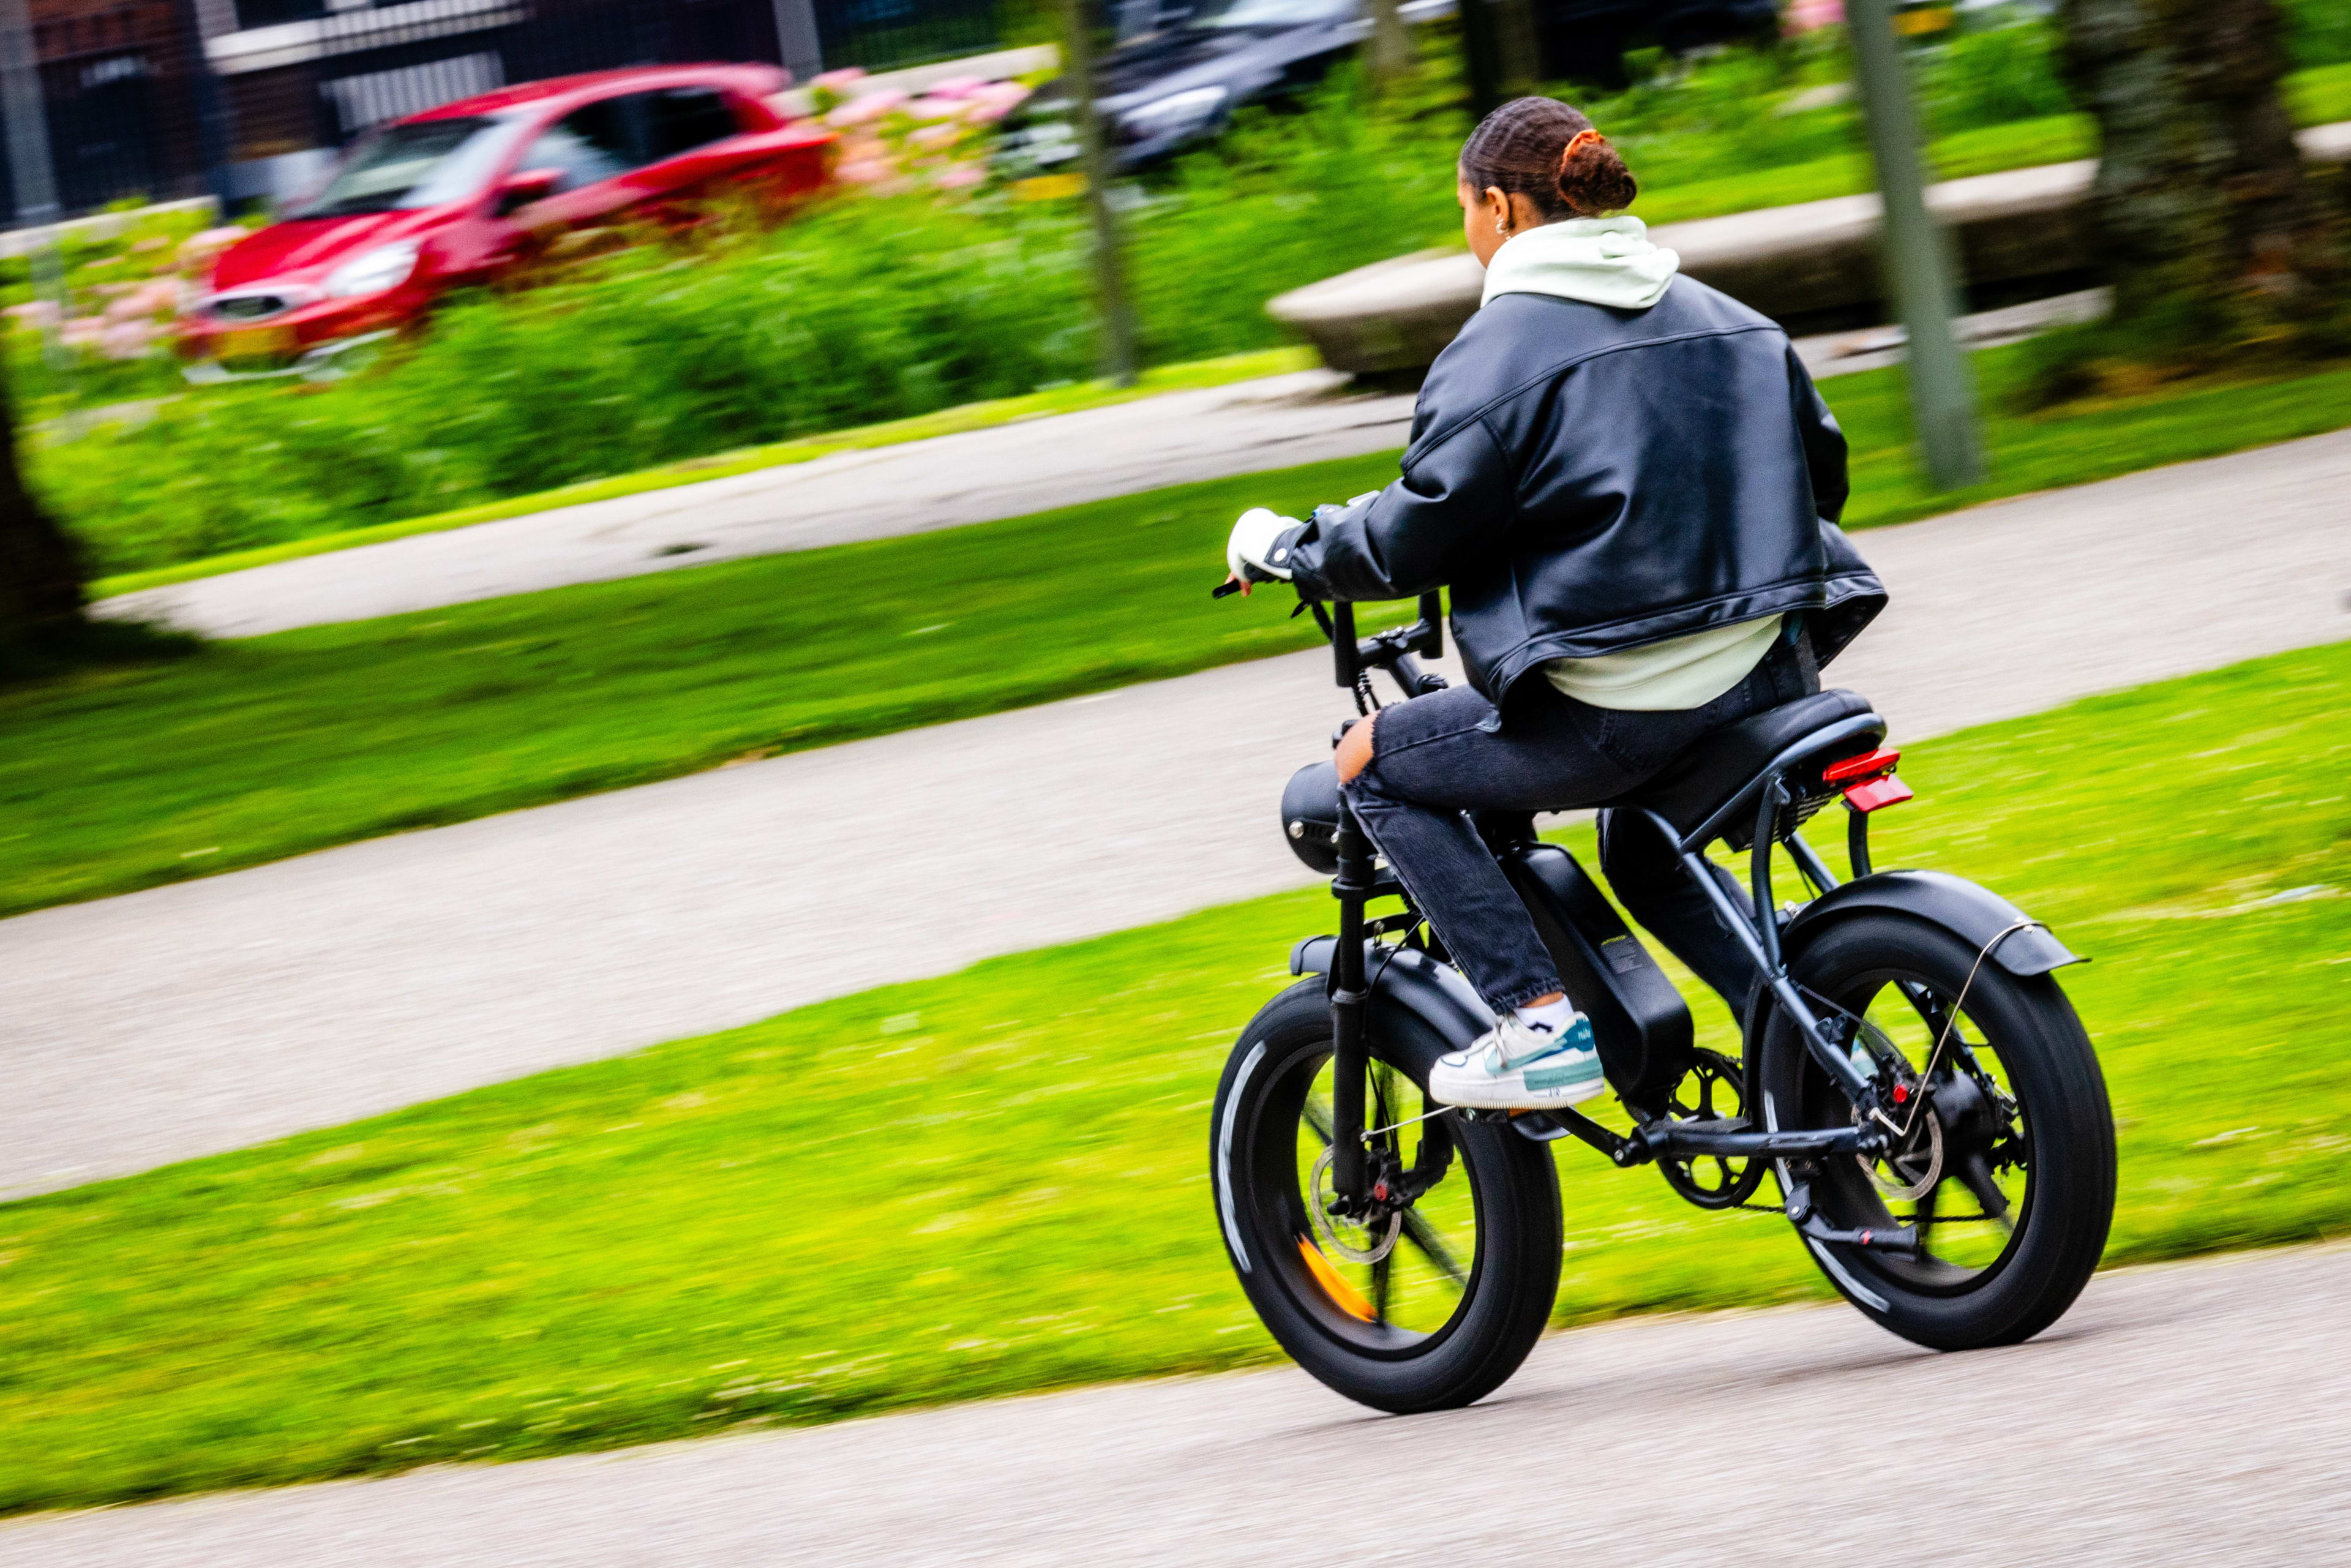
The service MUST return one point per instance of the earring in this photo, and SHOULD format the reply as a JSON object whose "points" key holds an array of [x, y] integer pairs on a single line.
{"points": [[1502, 227]]}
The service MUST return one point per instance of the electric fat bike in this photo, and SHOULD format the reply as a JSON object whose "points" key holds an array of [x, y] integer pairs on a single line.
{"points": [[1911, 1075]]}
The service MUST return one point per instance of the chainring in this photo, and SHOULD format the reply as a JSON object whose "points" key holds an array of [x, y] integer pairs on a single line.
{"points": [[1701, 1096]]}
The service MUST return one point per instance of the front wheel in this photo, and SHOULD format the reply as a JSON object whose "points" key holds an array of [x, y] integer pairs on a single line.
{"points": [[2005, 1158], [1425, 1306]]}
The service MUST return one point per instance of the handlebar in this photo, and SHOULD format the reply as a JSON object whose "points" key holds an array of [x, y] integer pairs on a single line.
{"points": [[1392, 650]]}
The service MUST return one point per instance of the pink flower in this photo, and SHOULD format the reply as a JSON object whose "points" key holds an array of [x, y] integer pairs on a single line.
{"points": [[210, 241], [931, 137], [150, 297], [867, 171], [37, 314], [994, 101], [839, 81], [127, 339], [934, 108], [961, 177], [957, 87], [1804, 16], [867, 109], [81, 330]]}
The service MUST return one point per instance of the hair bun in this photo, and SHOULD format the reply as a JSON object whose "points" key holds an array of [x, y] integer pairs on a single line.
{"points": [[1592, 178]]}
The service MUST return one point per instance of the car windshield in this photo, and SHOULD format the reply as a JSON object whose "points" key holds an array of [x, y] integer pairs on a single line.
{"points": [[1272, 13], [422, 164]]}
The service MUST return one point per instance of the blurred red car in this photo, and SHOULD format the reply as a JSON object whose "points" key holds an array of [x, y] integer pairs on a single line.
{"points": [[458, 194]]}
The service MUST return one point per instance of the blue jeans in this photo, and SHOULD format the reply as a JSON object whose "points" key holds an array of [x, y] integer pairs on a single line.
{"points": [[1437, 757]]}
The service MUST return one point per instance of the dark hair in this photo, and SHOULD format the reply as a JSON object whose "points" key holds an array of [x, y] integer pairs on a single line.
{"points": [[1522, 148]]}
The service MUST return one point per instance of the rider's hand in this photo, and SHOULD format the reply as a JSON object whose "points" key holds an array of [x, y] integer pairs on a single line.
{"points": [[1248, 551]]}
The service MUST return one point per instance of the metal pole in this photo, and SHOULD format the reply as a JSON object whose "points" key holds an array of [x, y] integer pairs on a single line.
{"points": [[1481, 50], [1918, 262], [24, 113], [1118, 336], [211, 112], [799, 47]]}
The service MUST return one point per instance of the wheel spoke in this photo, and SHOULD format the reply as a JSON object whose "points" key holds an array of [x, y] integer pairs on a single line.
{"points": [[1979, 1179], [1922, 1216], [1381, 1272], [1423, 1235], [1930, 1008]]}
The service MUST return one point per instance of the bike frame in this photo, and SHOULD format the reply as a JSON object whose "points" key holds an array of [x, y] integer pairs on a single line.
{"points": [[1756, 926]]}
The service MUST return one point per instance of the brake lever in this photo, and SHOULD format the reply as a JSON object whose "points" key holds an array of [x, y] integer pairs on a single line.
{"points": [[1232, 585]]}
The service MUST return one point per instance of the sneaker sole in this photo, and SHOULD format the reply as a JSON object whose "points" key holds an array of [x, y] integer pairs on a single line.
{"points": [[1522, 1097]]}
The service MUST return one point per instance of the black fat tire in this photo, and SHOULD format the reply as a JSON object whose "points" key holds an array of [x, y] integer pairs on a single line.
{"points": [[2054, 1071], [1515, 1275]]}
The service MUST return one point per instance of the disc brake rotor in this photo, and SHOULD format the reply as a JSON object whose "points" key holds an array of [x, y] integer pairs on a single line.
{"points": [[1909, 1173], [1376, 1242]]}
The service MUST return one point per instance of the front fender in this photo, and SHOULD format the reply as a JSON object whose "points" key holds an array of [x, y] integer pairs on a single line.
{"points": [[1408, 978]]}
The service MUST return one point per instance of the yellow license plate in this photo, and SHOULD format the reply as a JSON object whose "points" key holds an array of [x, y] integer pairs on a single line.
{"points": [[255, 343]]}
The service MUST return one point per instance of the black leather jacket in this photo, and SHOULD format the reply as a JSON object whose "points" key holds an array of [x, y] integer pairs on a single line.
{"points": [[1587, 480]]}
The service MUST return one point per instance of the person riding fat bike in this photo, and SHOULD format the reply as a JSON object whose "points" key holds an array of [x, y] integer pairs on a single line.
{"points": [[1631, 487]]}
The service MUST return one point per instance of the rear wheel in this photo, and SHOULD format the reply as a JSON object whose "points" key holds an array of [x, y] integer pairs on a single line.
{"points": [[2005, 1158], [1427, 1305]]}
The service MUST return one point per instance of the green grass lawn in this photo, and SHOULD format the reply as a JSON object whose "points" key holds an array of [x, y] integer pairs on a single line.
{"points": [[248, 751], [996, 1181]]}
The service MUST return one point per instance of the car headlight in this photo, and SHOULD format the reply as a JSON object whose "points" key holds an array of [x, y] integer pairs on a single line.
{"points": [[1176, 111], [372, 272]]}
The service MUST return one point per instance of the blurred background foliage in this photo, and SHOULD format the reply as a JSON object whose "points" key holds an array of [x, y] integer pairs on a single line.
{"points": [[871, 308]]}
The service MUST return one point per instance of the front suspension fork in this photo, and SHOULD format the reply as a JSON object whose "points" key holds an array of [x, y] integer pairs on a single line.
{"points": [[1350, 995]]}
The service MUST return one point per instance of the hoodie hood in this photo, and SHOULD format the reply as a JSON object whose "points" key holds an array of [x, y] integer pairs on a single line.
{"points": [[1600, 261]]}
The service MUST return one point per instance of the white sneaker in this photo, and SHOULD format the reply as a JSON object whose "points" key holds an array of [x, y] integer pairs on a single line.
{"points": [[1515, 1066]]}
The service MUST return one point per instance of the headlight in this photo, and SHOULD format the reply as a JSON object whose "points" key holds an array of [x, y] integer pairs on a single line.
{"points": [[1176, 111], [372, 272]]}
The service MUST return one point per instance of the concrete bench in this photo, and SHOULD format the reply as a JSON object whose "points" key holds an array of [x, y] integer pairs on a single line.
{"points": [[2021, 226]]}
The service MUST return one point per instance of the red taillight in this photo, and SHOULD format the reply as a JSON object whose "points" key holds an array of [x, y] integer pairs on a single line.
{"points": [[1872, 793], [1866, 767]]}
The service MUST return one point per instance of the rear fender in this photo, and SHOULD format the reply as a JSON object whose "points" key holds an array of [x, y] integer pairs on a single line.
{"points": [[1976, 916]]}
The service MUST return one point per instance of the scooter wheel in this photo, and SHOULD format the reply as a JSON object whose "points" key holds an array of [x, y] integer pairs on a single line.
{"points": [[1427, 1305]]}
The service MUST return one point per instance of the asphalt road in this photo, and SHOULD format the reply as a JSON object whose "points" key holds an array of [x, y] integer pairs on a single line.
{"points": [[214, 1014], [944, 482], [2185, 1415]]}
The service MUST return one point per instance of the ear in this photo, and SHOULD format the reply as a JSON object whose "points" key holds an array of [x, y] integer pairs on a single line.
{"points": [[1497, 205]]}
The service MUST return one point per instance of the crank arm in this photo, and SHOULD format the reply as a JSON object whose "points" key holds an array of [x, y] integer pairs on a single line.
{"points": [[1561, 1122]]}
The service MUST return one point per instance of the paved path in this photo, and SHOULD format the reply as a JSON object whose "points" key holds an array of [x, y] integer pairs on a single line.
{"points": [[215, 1013], [941, 483], [944, 482], [2192, 1413]]}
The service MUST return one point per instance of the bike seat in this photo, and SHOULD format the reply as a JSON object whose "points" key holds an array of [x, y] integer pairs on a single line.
{"points": [[1728, 766]]}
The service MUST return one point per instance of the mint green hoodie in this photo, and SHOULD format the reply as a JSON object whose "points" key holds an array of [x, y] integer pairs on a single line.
{"points": [[1602, 261]]}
